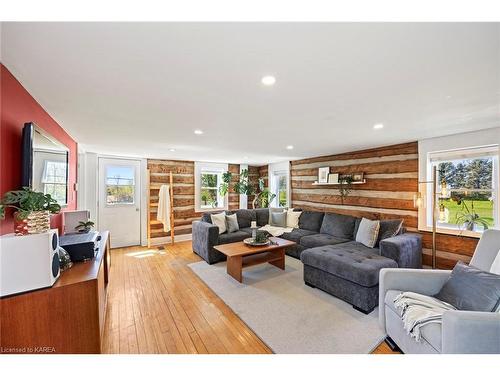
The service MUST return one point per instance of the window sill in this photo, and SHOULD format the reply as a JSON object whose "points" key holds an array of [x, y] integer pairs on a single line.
{"points": [[214, 209], [453, 232]]}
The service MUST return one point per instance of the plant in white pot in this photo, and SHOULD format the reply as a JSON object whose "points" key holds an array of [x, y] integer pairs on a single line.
{"points": [[33, 210]]}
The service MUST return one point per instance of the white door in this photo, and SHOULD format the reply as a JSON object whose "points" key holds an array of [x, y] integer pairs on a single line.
{"points": [[120, 200]]}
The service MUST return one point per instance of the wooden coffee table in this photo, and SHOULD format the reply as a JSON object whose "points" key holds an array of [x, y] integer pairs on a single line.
{"points": [[240, 255]]}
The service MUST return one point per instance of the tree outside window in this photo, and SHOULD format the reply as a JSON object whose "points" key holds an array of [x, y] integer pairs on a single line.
{"points": [[471, 204], [209, 190]]}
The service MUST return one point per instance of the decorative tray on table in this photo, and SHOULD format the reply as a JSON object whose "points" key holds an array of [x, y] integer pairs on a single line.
{"points": [[252, 242]]}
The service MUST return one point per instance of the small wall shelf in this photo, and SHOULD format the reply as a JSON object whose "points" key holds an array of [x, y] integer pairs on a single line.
{"points": [[332, 184]]}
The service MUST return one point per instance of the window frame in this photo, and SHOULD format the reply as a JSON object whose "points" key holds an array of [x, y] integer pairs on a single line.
{"points": [[434, 159], [64, 184], [276, 187], [134, 185], [209, 168]]}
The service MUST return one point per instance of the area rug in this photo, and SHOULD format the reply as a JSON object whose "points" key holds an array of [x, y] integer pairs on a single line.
{"points": [[289, 316]]}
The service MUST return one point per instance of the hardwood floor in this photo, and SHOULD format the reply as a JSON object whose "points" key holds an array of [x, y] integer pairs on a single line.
{"points": [[156, 304]]}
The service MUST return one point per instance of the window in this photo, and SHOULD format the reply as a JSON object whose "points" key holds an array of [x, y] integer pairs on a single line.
{"points": [[120, 185], [54, 180], [469, 201], [279, 183], [208, 178], [280, 189]]}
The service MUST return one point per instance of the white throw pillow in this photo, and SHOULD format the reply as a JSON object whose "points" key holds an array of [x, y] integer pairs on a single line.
{"points": [[220, 221], [292, 218], [368, 232], [495, 266]]}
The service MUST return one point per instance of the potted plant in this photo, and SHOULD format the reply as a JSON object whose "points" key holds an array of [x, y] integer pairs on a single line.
{"points": [[84, 226], [263, 196], [33, 210], [468, 218], [345, 187]]}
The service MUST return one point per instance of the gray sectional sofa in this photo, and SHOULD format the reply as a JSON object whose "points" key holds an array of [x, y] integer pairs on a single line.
{"points": [[325, 243]]}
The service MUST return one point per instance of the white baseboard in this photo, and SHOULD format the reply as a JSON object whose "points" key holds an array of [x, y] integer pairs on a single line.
{"points": [[166, 240]]}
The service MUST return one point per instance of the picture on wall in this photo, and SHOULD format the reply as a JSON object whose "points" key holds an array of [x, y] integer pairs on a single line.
{"points": [[358, 177], [323, 173], [333, 178]]}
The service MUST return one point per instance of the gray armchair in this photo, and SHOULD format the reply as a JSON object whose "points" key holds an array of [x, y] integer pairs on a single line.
{"points": [[460, 331]]}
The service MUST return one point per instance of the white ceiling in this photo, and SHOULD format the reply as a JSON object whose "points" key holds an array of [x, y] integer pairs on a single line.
{"points": [[142, 88]]}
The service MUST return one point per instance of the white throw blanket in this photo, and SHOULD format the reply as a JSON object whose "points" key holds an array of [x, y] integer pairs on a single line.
{"points": [[275, 231], [417, 310], [163, 213]]}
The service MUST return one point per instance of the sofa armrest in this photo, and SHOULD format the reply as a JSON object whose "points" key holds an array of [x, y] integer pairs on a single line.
{"points": [[205, 236], [405, 249], [471, 332], [423, 281]]}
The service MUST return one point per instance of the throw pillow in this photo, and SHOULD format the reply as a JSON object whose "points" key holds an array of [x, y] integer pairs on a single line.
{"points": [[389, 228], [470, 288], [368, 232], [495, 266], [220, 221], [274, 209], [278, 219], [232, 223], [292, 218]]}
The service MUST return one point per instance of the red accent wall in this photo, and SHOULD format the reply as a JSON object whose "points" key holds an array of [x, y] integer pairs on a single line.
{"points": [[17, 108]]}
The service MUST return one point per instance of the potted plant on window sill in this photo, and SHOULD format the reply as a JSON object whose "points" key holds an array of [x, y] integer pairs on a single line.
{"points": [[468, 218], [33, 210]]}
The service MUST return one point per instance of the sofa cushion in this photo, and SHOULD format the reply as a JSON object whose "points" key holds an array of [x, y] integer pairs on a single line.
{"points": [[232, 223], [337, 225], [219, 220], [311, 220], [247, 230], [278, 219], [430, 332], [292, 218], [233, 237], [470, 288], [296, 234], [262, 216], [367, 232], [320, 239], [351, 261], [245, 217], [388, 229]]}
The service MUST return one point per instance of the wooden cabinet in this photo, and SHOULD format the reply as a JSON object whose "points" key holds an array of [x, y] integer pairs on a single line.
{"points": [[66, 318]]}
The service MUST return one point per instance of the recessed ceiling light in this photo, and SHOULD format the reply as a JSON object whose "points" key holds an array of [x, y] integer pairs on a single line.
{"points": [[289, 147], [198, 132], [378, 126], [171, 149], [268, 80]]}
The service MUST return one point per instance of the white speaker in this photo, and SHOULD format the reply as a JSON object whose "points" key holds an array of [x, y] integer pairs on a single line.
{"points": [[28, 262]]}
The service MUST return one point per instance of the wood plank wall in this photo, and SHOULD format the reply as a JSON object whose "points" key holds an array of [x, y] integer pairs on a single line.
{"points": [[391, 181], [183, 176]]}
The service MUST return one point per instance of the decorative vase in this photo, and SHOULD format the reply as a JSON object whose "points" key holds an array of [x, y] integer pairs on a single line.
{"points": [[64, 259], [35, 222]]}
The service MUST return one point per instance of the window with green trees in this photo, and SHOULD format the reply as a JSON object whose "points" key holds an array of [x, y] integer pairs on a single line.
{"points": [[471, 203]]}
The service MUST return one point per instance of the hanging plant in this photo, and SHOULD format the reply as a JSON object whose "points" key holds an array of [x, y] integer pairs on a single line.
{"points": [[345, 187]]}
